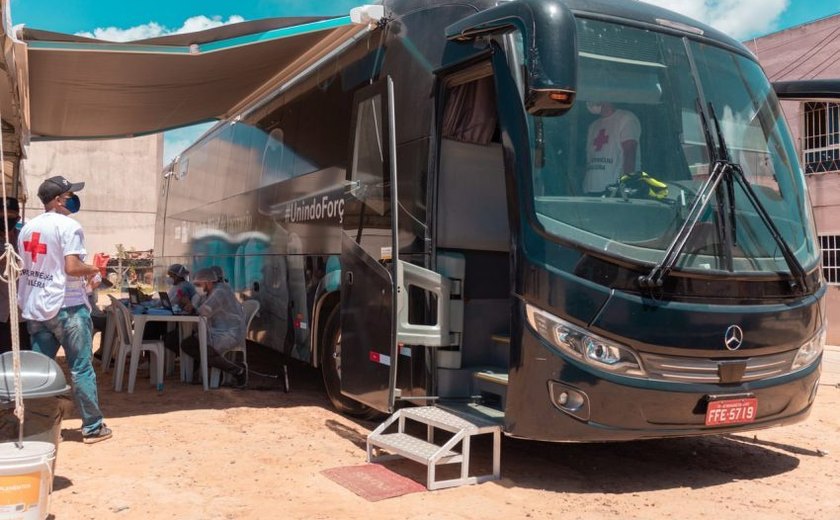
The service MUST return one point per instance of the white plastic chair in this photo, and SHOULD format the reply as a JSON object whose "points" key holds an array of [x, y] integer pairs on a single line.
{"points": [[109, 338], [155, 347], [251, 308]]}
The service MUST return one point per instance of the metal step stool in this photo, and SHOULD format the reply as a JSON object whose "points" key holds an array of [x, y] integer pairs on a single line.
{"points": [[401, 444]]}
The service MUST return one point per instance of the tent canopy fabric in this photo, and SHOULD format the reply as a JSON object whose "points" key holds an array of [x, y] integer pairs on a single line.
{"points": [[86, 88], [14, 99]]}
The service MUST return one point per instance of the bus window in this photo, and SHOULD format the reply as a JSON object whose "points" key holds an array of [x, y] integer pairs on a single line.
{"points": [[276, 162], [368, 156]]}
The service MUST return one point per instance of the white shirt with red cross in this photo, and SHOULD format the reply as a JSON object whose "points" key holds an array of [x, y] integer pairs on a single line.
{"points": [[44, 287], [604, 153]]}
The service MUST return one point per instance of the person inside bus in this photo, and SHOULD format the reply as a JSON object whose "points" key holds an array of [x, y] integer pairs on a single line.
{"points": [[225, 325], [612, 146]]}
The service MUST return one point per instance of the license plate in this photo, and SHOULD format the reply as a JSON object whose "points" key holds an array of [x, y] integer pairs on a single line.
{"points": [[732, 411]]}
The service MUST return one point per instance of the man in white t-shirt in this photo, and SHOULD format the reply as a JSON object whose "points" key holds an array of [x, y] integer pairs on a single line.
{"points": [[612, 146], [52, 293]]}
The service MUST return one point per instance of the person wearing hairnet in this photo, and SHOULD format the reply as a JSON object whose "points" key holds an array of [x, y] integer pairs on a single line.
{"points": [[181, 293], [180, 290], [225, 324]]}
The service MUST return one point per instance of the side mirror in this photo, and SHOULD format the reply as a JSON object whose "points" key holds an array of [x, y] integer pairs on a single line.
{"points": [[550, 39]]}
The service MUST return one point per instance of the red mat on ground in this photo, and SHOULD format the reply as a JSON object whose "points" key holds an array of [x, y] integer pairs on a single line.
{"points": [[373, 482]]}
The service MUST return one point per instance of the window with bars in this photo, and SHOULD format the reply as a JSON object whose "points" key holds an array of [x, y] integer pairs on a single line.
{"points": [[821, 137], [830, 245]]}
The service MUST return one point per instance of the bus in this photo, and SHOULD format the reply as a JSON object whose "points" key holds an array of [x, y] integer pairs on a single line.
{"points": [[585, 219]]}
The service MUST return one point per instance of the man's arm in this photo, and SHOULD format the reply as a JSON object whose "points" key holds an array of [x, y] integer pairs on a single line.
{"points": [[183, 300], [629, 149], [74, 266]]}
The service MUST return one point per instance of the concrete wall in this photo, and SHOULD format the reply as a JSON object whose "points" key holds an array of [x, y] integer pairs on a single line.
{"points": [[809, 51], [121, 192]]}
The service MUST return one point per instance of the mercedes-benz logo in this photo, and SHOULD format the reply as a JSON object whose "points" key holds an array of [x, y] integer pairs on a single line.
{"points": [[733, 338]]}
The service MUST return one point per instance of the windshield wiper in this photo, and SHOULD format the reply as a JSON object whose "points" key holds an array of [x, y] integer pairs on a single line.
{"points": [[723, 168], [727, 229], [737, 175], [656, 276]]}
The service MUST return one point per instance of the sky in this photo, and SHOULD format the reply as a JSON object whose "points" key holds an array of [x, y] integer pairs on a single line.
{"points": [[132, 20]]}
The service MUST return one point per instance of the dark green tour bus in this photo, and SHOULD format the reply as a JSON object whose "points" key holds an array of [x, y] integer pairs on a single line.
{"points": [[585, 218]]}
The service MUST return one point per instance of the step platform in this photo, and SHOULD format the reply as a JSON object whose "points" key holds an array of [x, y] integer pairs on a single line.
{"points": [[491, 383], [387, 446]]}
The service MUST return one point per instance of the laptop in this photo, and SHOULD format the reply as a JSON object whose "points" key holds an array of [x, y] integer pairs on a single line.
{"points": [[134, 297], [165, 302]]}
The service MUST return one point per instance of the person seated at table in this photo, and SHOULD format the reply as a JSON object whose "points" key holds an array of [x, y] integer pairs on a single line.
{"points": [[225, 325], [220, 273], [181, 291], [198, 299]]}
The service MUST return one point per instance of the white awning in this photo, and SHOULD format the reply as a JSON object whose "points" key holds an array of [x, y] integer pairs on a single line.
{"points": [[85, 88]]}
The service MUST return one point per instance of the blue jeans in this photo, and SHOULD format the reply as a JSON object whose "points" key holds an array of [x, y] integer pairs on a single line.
{"points": [[72, 329]]}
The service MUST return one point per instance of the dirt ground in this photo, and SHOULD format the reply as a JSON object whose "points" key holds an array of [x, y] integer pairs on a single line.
{"points": [[240, 454]]}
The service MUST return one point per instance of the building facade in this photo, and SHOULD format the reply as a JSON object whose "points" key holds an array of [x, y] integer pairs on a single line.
{"points": [[121, 178], [812, 51]]}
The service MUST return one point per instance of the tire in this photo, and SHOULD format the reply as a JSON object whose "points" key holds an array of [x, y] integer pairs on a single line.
{"points": [[331, 369]]}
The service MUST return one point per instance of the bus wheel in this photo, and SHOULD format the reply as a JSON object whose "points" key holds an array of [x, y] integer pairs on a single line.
{"points": [[331, 369]]}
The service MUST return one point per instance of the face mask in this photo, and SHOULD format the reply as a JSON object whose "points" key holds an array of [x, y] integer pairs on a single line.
{"points": [[200, 290], [169, 282], [13, 223], [594, 108], [73, 204]]}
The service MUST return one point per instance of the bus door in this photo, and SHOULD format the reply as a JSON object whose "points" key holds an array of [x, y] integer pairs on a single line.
{"points": [[378, 290], [368, 355]]}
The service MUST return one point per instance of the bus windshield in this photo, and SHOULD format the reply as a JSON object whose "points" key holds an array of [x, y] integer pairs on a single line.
{"points": [[619, 171]]}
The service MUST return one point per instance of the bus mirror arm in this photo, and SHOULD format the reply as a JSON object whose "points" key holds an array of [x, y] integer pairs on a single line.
{"points": [[814, 90], [546, 26]]}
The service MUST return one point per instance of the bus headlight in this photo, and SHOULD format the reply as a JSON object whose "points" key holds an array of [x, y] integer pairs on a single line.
{"points": [[583, 345], [810, 351]]}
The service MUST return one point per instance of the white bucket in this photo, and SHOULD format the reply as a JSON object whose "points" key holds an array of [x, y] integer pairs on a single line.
{"points": [[26, 478]]}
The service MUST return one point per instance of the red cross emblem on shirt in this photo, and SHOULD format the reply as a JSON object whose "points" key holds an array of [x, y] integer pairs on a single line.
{"points": [[34, 247], [601, 139]]}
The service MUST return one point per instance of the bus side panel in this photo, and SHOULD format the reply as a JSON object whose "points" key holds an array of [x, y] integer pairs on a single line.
{"points": [[262, 198]]}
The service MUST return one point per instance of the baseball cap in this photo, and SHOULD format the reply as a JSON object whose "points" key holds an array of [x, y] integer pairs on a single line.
{"points": [[55, 186]]}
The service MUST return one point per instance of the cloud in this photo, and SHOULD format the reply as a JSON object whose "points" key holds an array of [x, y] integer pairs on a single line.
{"points": [[176, 141], [740, 19], [154, 29]]}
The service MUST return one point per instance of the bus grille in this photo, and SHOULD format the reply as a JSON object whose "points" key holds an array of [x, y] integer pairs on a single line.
{"points": [[699, 370]]}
